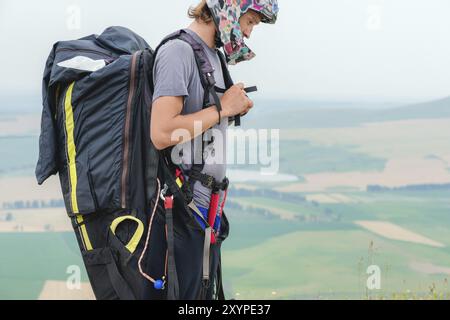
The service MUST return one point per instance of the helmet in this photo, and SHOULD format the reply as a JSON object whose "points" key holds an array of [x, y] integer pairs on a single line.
{"points": [[226, 15]]}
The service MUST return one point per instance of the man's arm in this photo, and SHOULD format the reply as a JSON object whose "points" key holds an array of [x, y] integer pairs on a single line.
{"points": [[167, 117]]}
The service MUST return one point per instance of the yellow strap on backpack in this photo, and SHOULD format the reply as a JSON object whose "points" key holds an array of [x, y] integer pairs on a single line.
{"points": [[134, 241]]}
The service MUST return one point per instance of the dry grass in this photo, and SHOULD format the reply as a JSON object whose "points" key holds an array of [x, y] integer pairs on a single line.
{"points": [[36, 220], [398, 172], [429, 268], [395, 232], [26, 188], [28, 124], [58, 290], [330, 198], [394, 139]]}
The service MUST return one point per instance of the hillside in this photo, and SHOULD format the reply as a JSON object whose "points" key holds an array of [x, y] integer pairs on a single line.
{"points": [[334, 115]]}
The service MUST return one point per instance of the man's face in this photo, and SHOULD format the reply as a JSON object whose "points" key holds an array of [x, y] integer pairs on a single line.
{"points": [[248, 21]]}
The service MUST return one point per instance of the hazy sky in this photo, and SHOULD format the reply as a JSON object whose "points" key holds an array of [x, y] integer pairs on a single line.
{"points": [[319, 49]]}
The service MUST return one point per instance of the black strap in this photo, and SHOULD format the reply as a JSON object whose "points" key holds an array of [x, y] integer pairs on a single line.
{"points": [[206, 71], [206, 265], [172, 275], [208, 181], [247, 90], [220, 293], [118, 282], [226, 74], [173, 291], [105, 256], [217, 102], [228, 84], [203, 293]]}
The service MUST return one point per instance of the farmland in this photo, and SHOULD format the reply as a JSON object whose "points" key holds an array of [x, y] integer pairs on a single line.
{"points": [[312, 237]]}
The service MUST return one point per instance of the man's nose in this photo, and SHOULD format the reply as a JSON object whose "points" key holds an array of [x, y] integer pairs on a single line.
{"points": [[248, 33]]}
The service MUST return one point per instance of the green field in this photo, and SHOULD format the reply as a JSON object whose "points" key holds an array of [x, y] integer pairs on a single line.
{"points": [[319, 158], [263, 255], [29, 259], [304, 249], [16, 152], [331, 262]]}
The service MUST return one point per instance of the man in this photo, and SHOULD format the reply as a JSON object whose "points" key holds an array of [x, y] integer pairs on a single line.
{"points": [[178, 104]]}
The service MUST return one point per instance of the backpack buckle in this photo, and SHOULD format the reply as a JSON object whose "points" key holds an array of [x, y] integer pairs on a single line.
{"points": [[209, 182], [163, 193], [210, 80]]}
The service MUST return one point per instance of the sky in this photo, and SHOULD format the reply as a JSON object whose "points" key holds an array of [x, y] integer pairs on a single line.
{"points": [[371, 50]]}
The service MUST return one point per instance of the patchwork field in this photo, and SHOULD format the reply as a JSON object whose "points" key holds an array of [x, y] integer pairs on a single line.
{"points": [[331, 198], [316, 248], [321, 262], [390, 139], [325, 264], [398, 172]]}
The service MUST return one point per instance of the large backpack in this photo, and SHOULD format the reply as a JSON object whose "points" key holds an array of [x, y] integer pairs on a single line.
{"points": [[95, 132]]}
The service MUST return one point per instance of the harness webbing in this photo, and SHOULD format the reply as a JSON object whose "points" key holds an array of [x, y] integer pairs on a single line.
{"points": [[172, 286], [176, 187]]}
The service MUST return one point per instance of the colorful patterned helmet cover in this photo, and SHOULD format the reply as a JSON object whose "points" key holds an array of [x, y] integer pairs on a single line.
{"points": [[226, 15]]}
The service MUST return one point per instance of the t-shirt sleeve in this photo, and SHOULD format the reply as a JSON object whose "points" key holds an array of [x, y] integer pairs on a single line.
{"points": [[173, 70]]}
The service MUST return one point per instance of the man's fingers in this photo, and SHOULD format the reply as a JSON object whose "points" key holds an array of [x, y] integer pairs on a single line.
{"points": [[240, 85], [250, 103], [249, 106]]}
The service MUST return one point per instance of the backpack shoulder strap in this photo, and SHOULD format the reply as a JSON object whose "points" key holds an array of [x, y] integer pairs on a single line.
{"points": [[228, 83], [172, 36], [205, 69], [226, 74], [203, 65]]}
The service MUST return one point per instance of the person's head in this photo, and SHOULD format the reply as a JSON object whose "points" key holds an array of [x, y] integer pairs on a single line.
{"points": [[200, 13], [234, 21], [247, 21]]}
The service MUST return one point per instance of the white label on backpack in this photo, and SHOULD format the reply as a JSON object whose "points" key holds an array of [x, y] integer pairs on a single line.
{"points": [[83, 64]]}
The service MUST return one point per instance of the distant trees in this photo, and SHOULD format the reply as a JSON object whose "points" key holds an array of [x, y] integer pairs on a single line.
{"points": [[33, 204], [266, 193], [414, 187], [319, 215], [8, 217], [255, 210]]}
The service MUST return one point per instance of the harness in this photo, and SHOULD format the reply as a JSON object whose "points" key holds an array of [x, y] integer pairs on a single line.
{"points": [[178, 188]]}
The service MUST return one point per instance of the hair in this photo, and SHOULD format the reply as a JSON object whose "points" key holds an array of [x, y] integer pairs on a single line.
{"points": [[200, 12]]}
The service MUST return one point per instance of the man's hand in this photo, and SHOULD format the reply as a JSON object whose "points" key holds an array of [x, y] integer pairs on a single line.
{"points": [[235, 101]]}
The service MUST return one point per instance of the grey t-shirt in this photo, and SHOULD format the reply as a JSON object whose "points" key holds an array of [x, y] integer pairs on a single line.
{"points": [[176, 74]]}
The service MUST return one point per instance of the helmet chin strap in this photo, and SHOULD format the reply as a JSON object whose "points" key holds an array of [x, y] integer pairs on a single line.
{"points": [[217, 40]]}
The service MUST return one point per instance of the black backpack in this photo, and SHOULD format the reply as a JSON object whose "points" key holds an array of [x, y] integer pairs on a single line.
{"points": [[111, 129], [95, 127]]}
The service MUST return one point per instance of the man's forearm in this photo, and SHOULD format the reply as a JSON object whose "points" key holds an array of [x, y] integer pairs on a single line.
{"points": [[194, 124]]}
